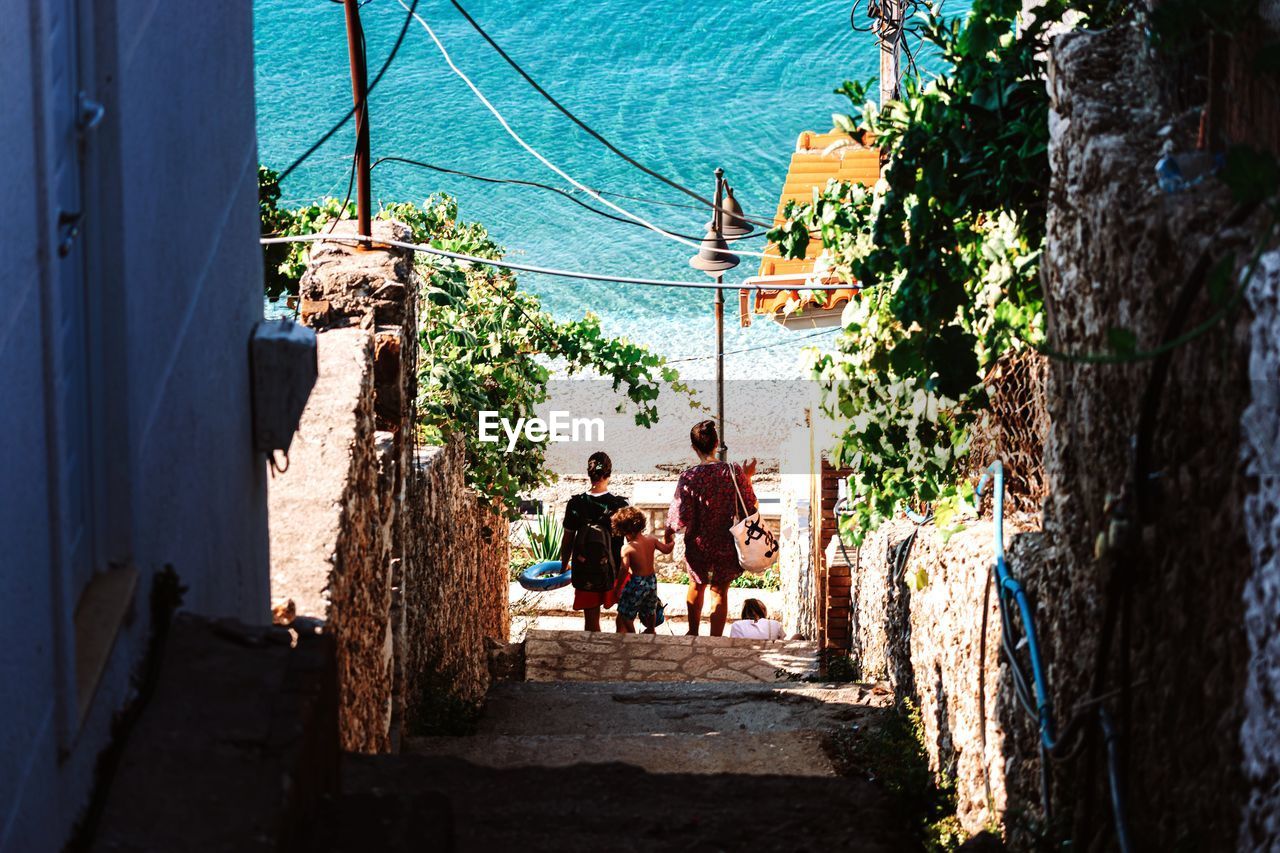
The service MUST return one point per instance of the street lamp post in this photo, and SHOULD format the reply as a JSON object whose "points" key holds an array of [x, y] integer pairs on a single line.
{"points": [[714, 258]]}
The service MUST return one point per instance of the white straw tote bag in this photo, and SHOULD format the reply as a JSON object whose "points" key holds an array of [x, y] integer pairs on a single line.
{"points": [[757, 548]]}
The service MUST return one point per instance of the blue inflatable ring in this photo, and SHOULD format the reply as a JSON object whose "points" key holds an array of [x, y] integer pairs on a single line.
{"points": [[549, 575]]}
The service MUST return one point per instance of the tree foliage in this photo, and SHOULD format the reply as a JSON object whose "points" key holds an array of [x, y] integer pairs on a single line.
{"points": [[947, 246], [485, 344]]}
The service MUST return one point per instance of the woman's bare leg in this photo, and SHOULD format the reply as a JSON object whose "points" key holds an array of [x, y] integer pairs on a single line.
{"points": [[719, 608], [694, 601], [591, 619], [625, 626]]}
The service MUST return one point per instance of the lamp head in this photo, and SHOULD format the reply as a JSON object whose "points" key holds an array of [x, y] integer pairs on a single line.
{"points": [[713, 256], [734, 220]]}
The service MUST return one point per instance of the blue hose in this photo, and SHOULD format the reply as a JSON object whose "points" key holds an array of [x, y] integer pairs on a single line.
{"points": [[1011, 590]]}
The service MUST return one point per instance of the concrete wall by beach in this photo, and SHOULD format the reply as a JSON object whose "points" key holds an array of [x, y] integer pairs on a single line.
{"points": [[172, 289], [185, 241]]}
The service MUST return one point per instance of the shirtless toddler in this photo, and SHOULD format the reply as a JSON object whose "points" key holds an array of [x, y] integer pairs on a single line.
{"points": [[640, 595]]}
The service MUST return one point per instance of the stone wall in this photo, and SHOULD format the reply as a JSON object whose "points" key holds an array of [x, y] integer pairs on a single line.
{"points": [[455, 581], [380, 539], [1118, 253], [337, 534], [329, 542], [923, 620], [1260, 737]]}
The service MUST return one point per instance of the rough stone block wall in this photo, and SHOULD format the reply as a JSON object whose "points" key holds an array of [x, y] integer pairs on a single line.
{"points": [[329, 539], [455, 581], [336, 525], [1260, 738], [1118, 249], [919, 619]]}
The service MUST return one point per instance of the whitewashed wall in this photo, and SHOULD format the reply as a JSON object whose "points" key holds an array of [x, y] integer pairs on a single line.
{"points": [[173, 288]]}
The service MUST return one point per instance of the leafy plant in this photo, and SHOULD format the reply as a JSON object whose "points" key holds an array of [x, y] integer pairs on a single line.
{"points": [[768, 579], [486, 344], [545, 539], [947, 246], [284, 263]]}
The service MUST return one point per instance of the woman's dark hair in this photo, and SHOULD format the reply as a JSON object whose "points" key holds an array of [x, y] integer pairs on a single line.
{"points": [[628, 521], [753, 608], [704, 437], [599, 466]]}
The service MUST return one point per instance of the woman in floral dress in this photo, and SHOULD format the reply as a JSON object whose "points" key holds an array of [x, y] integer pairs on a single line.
{"points": [[704, 507]]}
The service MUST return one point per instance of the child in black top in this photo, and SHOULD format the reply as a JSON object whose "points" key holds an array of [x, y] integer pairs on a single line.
{"points": [[595, 506]]}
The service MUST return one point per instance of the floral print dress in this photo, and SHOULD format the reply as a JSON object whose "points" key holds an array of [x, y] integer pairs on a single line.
{"points": [[704, 507]]}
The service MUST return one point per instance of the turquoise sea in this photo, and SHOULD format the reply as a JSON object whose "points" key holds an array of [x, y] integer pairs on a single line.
{"points": [[683, 86]]}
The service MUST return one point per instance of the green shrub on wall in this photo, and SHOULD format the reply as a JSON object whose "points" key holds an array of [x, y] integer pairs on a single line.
{"points": [[486, 345]]}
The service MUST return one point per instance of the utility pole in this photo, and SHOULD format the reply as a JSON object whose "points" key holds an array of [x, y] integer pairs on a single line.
{"points": [[890, 33], [714, 258], [360, 93]]}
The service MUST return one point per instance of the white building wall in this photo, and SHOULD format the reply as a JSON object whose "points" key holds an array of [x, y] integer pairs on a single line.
{"points": [[175, 286]]}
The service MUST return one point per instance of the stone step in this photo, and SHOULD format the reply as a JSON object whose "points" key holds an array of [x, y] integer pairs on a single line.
{"points": [[596, 707], [788, 753], [427, 802], [585, 656], [750, 729]]}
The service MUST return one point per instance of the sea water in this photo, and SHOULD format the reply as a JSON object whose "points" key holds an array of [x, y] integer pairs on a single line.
{"points": [[683, 86]]}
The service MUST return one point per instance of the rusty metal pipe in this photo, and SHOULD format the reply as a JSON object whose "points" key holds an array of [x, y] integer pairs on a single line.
{"points": [[716, 226], [360, 94]]}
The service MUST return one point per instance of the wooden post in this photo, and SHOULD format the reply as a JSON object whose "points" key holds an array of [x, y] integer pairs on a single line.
{"points": [[890, 33]]}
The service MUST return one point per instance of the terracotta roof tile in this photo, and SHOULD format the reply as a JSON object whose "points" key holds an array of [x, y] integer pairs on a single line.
{"points": [[811, 167]]}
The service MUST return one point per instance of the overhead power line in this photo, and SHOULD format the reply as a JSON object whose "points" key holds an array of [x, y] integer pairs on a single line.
{"points": [[552, 166], [535, 184], [395, 49], [586, 276], [586, 127]]}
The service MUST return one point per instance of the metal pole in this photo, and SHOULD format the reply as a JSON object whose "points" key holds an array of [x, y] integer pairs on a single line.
{"points": [[890, 32], [716, 225], [720, 366], [360, 93]]}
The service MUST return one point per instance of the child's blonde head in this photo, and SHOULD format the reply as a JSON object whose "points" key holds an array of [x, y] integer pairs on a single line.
{"points": [[628, 521]]}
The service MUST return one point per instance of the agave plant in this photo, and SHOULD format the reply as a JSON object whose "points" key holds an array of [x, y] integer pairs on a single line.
{"points": [[545, 538]]}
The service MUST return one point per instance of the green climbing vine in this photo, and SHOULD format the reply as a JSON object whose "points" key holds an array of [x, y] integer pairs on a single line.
{"points": [[486, 345], [948, 244]]}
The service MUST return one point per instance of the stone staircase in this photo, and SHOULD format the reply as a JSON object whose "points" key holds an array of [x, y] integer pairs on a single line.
{"points": [[580, 656], [633, 743]]}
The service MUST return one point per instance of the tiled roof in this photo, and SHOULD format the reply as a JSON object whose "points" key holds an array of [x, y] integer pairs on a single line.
{"points": [[811, 167]]}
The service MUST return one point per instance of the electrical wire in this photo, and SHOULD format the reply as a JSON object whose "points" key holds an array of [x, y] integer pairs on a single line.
{"points": [[592, 132], [519, 182], [586, 276], [553, 167], [395, 49]]}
